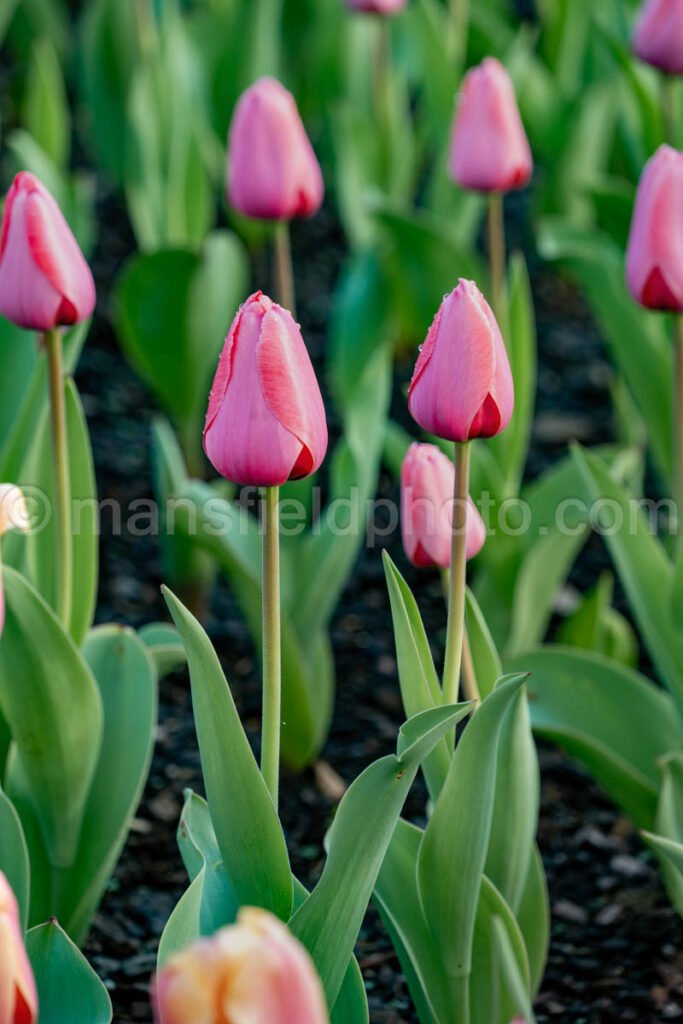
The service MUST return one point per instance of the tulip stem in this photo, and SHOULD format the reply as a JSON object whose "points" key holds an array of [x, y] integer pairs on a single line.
{"points": [[678, 422], [470, 684], [456, 586], [272, 668], [497, 259], [61, 478], [284, 269]]}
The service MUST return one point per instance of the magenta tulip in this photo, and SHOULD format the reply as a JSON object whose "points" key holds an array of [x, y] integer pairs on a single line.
{"points": [[266, 419], [427, 481], [654, 258], [18, 996], [44, 279], [489, 148], [254, 972], [377, 6], [658, 38], [462, 385], [273, 173]]}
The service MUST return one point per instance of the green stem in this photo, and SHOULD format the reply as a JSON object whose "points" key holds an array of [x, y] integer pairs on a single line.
{"points": [[60, 467], [497, 259], [272, 669], [678, 420], [284, 270], [456, 595]]}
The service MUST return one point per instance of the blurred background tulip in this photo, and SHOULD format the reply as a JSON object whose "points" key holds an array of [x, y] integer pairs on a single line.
{"points": [[377, 6], [658, 38], [18, 996], [654, 257]]}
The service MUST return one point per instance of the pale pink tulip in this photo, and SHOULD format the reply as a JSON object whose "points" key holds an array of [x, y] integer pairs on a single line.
{"points": [[273, 173], [377, 6], [658, 38], [462, 385], [18, 996], [266, 419], [254, 972], [427, 481], [654, 258], [44, 279], [489, 148]]}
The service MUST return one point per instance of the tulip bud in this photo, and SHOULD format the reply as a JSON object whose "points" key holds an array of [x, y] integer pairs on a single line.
{"points": [[273, 172], [44, 279], [462, 385], [658, 38], [489, 148], [427, 483], [18, 996], [266, 419], [254, 971], [377, 6], [654, 257]]}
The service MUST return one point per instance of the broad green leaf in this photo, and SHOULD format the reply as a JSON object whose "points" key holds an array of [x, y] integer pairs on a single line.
{"points": [[534, 919], [69, 991], [669, 822], [485, 657], [453, 851], [351, 1006], [420, 687], [515, 983], [125, 675], [55, 715], [329, 921], [615, 721], [18, 359], [670, 855], [46, 107], [199, 849], [490, 995], [165, 646], [183, 926], [14, 859], [247, 829], [596, 626], [643, 566]]}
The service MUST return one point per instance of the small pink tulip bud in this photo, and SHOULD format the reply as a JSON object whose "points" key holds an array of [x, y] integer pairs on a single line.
{"points": [[44, 279], [658, 38], [462, 385], [266, 419], [254, 972], [273, 173], [654, 257], [427, 482], [13, 516], [18, 996], [377, 6], [489, 148]]}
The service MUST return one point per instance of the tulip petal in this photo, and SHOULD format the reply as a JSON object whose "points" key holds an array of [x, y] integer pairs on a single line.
{"points": [[654, 257], [27, 297], [658, 37]]}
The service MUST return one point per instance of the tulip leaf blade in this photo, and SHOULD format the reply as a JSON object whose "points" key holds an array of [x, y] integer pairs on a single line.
{"points": [[248, 831], [533, 917], [69, 991], [14, 857]]}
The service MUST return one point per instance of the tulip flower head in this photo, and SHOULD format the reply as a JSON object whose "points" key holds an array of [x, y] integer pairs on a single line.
{"points": [[658, 38], [377, 6], [254, 972], [18, 996], [13, 516], [489, 148], [427, 482], [44, 279], [654, 257], [273, 173], [462, 384], [266, 420]]}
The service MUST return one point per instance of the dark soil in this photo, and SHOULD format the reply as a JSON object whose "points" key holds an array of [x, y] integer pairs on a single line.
{"points": [[615, 943]]}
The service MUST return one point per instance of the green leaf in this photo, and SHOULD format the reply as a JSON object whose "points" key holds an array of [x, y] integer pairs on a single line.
{"points": [[669, 823], [18, 359], [485, 657], [515, 984], [644, 569], [165, 646], [46, 108], [615, 721], [329, 921], [55, 715], [670, 855], [69, 991], [249, 834], [420, 687], [14, 859], [453, 851], [596, 626], [126, 679], [534, 919], [496, 929]]}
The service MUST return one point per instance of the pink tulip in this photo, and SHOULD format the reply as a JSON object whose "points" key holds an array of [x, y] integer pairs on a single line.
{"points": [[18, 996], [658, 39], [13, 516], [462, 385], [654, 258], [254, 972], [273, 172], [427, 481], [266, 419], [44, 279], [489, 148], [377, 6]]}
